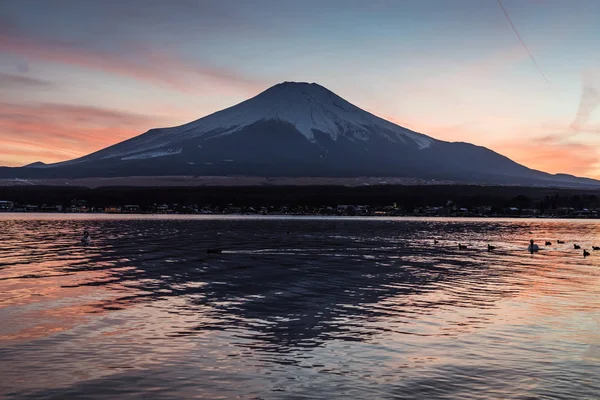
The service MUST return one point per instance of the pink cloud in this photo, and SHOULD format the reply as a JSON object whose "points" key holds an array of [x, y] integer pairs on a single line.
{"points": [[157, 67]]}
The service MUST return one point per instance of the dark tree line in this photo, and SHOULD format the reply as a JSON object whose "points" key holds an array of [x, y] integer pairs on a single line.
{"points": [[407, 197]]}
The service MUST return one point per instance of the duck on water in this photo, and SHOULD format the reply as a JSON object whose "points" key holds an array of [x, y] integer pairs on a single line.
{"points": [[585, 253]]}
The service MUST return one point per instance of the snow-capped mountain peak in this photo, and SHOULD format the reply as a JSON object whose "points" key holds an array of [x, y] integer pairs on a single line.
{"points": [[309, 107], [295, 130]]}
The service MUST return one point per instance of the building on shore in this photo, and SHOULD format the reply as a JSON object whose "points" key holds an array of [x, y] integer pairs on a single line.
{"points": [[6, 205]]}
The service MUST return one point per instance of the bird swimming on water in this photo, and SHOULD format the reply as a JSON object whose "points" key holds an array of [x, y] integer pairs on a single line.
{"points": [[585, 253], [595, 247], [548, 243], [86, 238], [576, 246], [560, 242], [490, 247], [462, 246]]}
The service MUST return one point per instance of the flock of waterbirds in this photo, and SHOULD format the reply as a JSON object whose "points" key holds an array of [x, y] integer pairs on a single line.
{"points": [[534, 248]]}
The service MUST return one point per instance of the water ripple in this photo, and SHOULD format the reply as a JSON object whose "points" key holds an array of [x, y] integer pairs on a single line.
{"points": [[292, 307]]}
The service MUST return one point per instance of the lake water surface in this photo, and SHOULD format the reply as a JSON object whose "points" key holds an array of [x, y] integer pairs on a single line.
{"points": [[365, 308]]}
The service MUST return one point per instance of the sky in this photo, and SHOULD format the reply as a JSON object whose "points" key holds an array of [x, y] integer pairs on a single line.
{"points": [[77, 76]]}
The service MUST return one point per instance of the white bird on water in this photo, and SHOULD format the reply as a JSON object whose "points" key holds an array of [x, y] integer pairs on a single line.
{"points": [[86, 238]]}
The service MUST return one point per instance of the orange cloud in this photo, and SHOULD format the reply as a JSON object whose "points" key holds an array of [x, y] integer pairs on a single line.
{"points": [[142, 64], [551, 154], [57, 132]]}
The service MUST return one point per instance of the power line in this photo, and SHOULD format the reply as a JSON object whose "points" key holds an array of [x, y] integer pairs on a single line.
{"points": [[522, 42]]}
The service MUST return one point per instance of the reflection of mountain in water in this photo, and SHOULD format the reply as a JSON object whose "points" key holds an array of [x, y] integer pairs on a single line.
{"points": [[324, 280]]}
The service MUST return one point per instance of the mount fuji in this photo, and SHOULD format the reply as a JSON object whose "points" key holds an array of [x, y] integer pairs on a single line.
{"points": [[295, 130]]}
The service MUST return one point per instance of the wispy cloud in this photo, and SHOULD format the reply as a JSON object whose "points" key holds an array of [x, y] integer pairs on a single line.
{"points": [[11, 81], [589, 101], [72, 113], [141, 63]]}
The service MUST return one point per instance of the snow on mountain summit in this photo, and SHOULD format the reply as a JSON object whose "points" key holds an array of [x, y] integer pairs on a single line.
{"points": [[295, 130], [309, 107]]}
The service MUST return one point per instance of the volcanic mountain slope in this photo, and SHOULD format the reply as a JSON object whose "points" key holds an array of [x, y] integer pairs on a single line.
{"points": [[296, 130]]}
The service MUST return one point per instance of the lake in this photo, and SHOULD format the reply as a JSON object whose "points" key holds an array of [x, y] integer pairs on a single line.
{"points": [[297, 308]]}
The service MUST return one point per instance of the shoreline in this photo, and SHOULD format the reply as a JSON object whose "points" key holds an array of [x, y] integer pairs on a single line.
{"points": [[302, 216]]}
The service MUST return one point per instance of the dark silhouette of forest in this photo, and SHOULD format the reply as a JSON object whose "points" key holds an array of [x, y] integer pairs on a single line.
{"points": [[407, 197]]}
